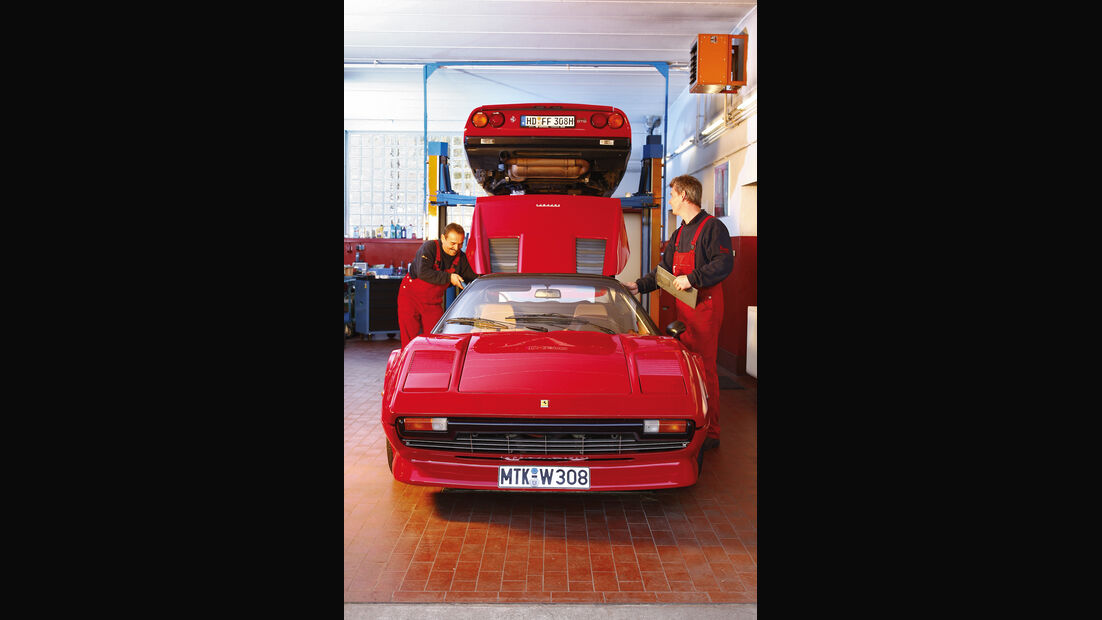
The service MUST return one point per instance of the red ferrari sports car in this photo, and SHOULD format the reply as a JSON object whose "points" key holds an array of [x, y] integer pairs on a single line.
{"points": [[545, 373], [545, 381], [539, 148]]}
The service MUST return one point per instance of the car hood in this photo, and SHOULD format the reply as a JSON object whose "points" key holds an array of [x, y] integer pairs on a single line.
{"points": [[540, 374], [560, 362]]}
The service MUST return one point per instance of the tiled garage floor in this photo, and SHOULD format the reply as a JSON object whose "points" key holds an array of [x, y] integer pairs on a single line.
{"points": [[407, 543]]}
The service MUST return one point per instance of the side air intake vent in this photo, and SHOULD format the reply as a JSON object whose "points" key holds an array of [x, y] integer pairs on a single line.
{"points": [[504, 254], [589, 255]]}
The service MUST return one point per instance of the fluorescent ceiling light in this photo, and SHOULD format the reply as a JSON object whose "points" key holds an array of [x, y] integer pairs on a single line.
{"points": [[712, 126]]}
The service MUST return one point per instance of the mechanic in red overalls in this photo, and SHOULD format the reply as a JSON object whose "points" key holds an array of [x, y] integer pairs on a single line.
{"points": [[700, 256], [438, 265]]}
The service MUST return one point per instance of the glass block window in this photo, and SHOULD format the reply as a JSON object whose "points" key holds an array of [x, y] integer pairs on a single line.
{"points": [[386, 182]]}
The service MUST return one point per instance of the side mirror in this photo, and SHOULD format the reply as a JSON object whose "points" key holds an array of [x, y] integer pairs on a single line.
{"points": [[675, 329]]}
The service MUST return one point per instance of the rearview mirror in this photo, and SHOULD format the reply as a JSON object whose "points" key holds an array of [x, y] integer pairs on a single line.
{"points": [[675, 329], [548, 293]]}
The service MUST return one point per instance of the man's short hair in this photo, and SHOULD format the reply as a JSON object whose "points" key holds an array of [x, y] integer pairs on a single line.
{"points": [[688, 185], [453, 227]]}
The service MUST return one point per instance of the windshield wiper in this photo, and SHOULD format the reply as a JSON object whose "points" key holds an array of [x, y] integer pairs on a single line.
{"points": [[491, 324], [551, 317]]}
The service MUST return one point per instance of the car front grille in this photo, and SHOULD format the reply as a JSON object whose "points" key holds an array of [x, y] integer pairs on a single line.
{"points": [[560, 437]]}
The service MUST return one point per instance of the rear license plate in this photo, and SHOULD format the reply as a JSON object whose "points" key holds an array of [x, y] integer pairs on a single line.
{"points": [[546, 121], [542, 477]]}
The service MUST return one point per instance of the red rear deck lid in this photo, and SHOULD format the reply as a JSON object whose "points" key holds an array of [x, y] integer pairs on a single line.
{"points": [[548, 233]]}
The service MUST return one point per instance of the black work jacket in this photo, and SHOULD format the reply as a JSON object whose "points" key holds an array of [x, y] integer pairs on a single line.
{"points": [[714, 260], [424, 268]]}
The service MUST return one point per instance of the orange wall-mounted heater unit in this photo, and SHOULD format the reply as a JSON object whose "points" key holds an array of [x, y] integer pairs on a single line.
{"points": [[717, 63]]}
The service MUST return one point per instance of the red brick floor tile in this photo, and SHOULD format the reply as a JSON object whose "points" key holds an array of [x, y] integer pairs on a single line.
{"points": [[605, 582], [623, 554], [413, 584], [668, 553], [630, 597], [627, 572], [602, 562], [418, 570], [664, 538], [553, 581], [706, 583], [450, 546], [619, 537], [493, 561], [463, 585], [649, 562], [516, 552], [675, 571], [524, 597], [682, 586], [655, 581], [418, 597], [577, 597], [445, 561], [398, 562], [466, 570], [389, 581], [514, 570], [439, 580], [361, 596], [750, 580], [742, 561], [406, 543], [535, 565], [732, 597], [682, 597], [489, 580], [470, 597], [554, 562]]}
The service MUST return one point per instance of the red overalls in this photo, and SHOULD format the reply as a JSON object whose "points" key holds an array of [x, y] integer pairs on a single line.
{"points": [[420, 304], [702, 323]]}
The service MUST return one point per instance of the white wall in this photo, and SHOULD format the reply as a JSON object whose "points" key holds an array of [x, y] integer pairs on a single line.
{"points": [[736, 144]]}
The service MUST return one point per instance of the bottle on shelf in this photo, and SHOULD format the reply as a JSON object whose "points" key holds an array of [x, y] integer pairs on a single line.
{"points": [[379, 232]]}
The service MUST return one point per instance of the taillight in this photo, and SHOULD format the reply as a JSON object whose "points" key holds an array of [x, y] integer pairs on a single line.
{"points": [[497, 119], [615, 121], [479, 119], [598, 120], [664, 426]]}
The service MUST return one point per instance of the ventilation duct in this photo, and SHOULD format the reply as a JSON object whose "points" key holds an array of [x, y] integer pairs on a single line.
{"points": [[589, 255], [504, 254]]}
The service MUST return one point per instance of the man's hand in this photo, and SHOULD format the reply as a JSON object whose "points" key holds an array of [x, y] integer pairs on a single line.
{"points": [[632, 287], [682, 283], [456, 280]]}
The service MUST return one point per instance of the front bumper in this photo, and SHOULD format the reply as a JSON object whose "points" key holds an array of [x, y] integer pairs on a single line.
{"points": [[614, 472]]}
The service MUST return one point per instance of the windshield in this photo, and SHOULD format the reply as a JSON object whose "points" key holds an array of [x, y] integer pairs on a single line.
{"points": [[544, 303]]}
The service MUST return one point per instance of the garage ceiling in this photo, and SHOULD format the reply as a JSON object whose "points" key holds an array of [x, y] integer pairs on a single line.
{"points": [[386, 42]]}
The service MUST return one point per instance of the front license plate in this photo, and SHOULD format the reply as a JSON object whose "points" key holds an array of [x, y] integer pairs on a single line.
{"points": [[542, 477], [546, 121]]}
